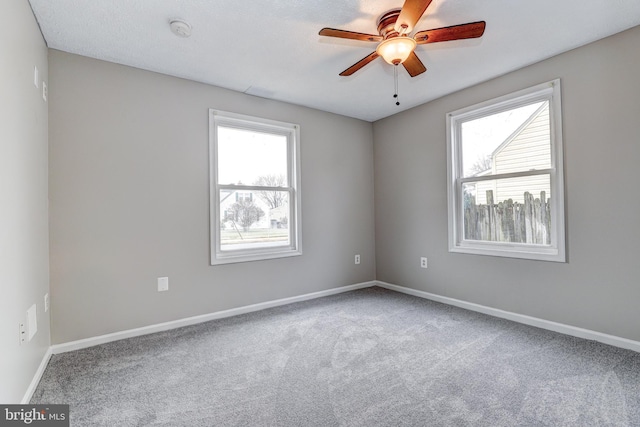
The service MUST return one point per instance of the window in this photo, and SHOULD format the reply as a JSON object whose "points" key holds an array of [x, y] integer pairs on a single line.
{"points": [[255, 185], [505, 177]]}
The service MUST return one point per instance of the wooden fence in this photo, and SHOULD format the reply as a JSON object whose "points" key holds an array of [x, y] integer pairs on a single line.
{"points": [[509, 221]]}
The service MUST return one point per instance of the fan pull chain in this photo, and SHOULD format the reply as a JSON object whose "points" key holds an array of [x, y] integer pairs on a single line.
{"points": [[395, 84]]}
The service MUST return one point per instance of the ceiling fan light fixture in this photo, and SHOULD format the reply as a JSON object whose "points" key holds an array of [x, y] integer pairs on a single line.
{"points": [[396, 50]]}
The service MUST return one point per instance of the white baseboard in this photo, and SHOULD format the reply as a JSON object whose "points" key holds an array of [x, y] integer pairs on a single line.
{"points": [[36, 378], [521, 318], [90, 342]]}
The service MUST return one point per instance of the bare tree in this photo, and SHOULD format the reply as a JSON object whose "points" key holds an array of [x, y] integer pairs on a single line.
{"points": [[245, 213], [482, 164], [272, 198]]}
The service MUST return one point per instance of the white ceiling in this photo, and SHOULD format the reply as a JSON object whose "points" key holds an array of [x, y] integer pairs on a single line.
{"points": [[271, 48]]}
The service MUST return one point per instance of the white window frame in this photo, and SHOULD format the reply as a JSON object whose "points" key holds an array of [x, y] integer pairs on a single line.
{"points": [[549, 91], [292, 133]]}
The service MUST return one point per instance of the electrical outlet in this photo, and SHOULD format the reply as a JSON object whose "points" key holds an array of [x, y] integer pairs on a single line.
{"points": [[22, 333], [357, 259], [45, 93], [46, 302], [163, 284], [423, 262], [36, 77]]}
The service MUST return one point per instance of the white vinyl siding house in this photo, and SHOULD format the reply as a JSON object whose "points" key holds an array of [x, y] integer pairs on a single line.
{"points": [[527, 148]]}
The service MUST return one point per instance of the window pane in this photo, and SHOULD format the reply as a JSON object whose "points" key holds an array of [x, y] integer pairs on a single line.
{"points": [[251, 158], [514, 210], [254, 219], [516, 140]]}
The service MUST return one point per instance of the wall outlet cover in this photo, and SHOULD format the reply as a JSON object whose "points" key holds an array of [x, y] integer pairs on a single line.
{"points": [[22, 333]]}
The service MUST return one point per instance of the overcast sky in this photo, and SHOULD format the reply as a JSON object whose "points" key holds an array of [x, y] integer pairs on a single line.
{"points": [[244, 155]]}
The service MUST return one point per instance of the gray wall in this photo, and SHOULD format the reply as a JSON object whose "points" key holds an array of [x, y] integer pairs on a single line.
{"points": [[24, 238], [129, 200], [599, 287]]}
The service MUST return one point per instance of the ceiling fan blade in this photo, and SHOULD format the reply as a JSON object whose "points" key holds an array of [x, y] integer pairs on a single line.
{"points": [[355, 67], [455, 32], [413, 65], [343, 34], [411, 12]]}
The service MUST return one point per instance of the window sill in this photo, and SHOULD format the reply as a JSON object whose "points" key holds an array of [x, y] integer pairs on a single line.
{"points": [[541, 253], [231, 258]]}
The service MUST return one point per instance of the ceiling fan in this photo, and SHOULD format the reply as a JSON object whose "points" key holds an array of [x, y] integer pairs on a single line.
{"points": [[396, 46]]}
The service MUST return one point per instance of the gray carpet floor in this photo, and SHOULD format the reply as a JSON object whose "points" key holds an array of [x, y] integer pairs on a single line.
{"points": [[371, 357]]}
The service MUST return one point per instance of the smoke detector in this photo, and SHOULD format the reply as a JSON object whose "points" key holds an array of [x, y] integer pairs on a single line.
{"points": [[180, 28]]}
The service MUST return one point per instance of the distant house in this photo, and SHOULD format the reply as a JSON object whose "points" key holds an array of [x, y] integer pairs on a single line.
{"points": [[526, 149], [271, 218]]}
